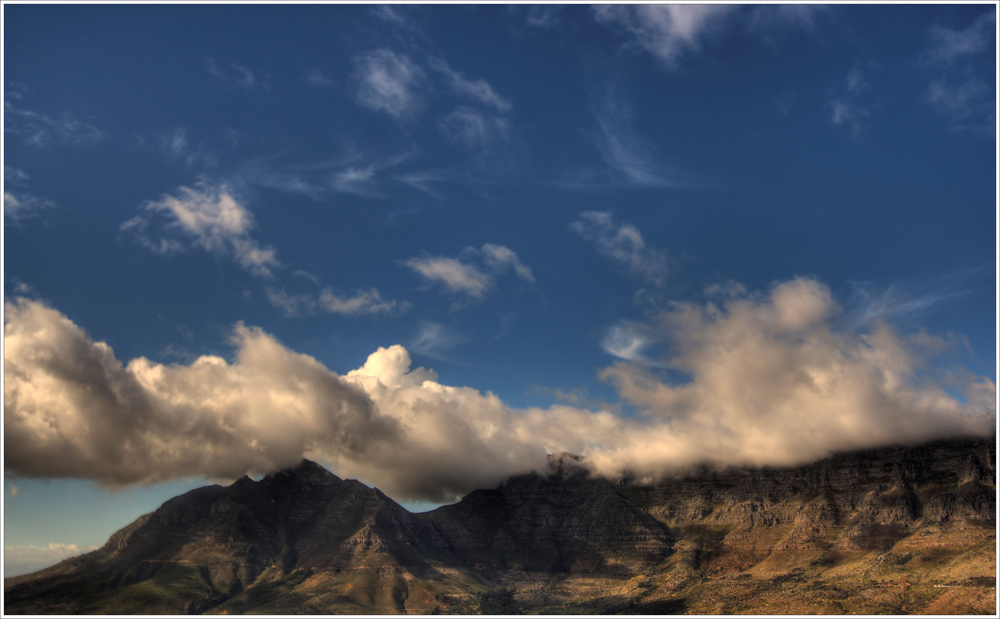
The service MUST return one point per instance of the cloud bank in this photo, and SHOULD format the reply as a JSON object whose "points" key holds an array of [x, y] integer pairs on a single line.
{"points": [[769, 380]]}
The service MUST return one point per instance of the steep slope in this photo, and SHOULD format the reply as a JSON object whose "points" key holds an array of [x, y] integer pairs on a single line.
{"points": [[566, 522], [245, 546], [893, 530]]}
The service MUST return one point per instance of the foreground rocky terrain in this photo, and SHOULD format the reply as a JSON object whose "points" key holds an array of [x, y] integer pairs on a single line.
{"points": [[895, 530]]}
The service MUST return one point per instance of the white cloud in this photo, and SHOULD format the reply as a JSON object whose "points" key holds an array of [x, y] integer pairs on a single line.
{"points": [[40, 130], [623, 243], [456, 276], [389, 82], [771, 382], [363, 302], [479, 90], [467, 278], [207, 217], [475, 129], [18, 560], [667, 31], [499, 258]]}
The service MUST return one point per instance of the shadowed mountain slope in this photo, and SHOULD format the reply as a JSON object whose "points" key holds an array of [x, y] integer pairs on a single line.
{"points": [[881, 531]]}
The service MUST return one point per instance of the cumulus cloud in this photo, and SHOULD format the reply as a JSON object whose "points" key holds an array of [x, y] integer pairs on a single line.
{"points": [[466, 277], [389, 82], [622, 243], [667, 31], [18, 560], [207, 217], [770, 381], [72, 409], [363, 302]]}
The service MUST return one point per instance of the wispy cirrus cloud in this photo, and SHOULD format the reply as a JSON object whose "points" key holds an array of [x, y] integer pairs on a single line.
{"points": [[389, 82], [543, 16], [316, 78], [476, 89], [363, 302], [18, 203], [766, 20], [353, 173], [38, 129], [465, 276], [233, 75], [434, 340], [960, 89], [870, 302], [207, 217], [622, 243], [629, 159], [846, 108], [477, 130], [949, 45], [176, 146]]}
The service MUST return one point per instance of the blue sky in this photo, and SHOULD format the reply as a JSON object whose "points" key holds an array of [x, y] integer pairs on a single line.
{"points": [[561, 211]]}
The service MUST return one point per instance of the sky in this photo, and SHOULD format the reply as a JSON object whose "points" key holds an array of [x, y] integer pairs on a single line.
{"points": [[426, 246]]}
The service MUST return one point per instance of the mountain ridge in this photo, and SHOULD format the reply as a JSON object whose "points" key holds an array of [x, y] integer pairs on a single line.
{"points": [[304, 540]]}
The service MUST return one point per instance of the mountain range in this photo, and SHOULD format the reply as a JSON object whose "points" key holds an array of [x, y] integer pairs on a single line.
{"points": [[893, 530]]}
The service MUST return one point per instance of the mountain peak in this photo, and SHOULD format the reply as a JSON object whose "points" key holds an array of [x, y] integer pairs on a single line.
{"points": [[305, 471]]}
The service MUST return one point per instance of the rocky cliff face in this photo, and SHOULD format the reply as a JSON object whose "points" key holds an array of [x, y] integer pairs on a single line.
{"points": [[889, 530]]}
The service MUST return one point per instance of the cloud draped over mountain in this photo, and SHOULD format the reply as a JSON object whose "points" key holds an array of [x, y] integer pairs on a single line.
{"points": [[772, 381]]}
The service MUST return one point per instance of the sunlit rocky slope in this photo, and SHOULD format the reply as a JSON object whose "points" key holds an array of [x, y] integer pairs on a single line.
{"points": [[895, 530]]}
